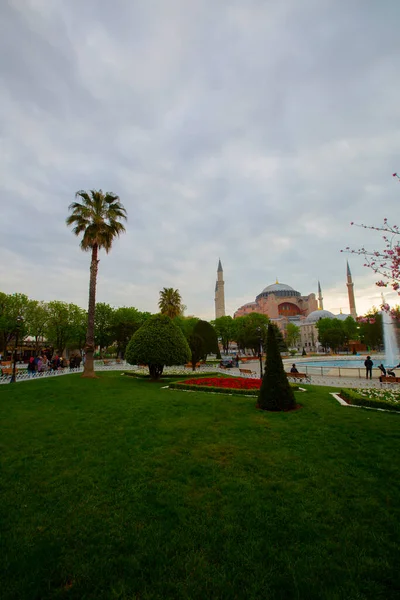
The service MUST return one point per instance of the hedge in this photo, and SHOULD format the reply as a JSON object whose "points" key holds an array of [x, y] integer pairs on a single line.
{"points": [[209, 388], [218, 390], [353, 398], [165, 376]]}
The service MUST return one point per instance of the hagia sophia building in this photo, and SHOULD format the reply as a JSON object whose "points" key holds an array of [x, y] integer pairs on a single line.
{"points": [[283, 305]]}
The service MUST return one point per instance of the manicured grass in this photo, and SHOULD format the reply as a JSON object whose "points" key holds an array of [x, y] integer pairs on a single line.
{"points": [[118, 489]]}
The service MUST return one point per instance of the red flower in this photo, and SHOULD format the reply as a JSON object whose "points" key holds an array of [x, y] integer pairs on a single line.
{"points": [[237, 383]]}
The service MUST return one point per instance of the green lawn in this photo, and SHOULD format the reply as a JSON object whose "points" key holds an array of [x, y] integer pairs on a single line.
{"points": [[118, 489]]}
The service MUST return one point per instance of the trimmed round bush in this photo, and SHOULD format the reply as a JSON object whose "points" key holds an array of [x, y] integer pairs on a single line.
{"points": [[158, 343]]}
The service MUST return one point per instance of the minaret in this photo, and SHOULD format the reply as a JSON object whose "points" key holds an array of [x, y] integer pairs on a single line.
{"points": [[350, 289], [320, 298], [219, 293]]}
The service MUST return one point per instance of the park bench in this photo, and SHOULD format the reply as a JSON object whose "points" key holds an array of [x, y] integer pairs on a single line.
{"points": [[247, 372], [6, 368], [299, 377], [189, 365], [388, 379]]}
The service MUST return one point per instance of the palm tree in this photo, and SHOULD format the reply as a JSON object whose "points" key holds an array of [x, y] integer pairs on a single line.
{"points": [[170, 303], [98, 217]]}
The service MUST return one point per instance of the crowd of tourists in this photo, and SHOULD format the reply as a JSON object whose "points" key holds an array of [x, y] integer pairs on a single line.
{"points": [[46, 362]]}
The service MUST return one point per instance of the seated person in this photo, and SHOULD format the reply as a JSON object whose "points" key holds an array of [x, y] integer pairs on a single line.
{"points": [[385, 372], [293, 369]]}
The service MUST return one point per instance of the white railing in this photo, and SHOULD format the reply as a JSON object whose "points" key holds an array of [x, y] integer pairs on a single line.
{"points": [[24, 375]]}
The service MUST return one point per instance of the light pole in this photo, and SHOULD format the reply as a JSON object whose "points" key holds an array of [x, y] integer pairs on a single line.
{"points": [[17, 330], [260, 352]]}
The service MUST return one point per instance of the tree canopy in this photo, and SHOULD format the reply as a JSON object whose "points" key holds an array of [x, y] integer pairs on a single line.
{"points": [[202, 341], [225, 328], [371, 329], [251, 331], [11, 307], [292, 334], [125, 322], [158, 343], [336, 334], [170, 303], [65, 326]]}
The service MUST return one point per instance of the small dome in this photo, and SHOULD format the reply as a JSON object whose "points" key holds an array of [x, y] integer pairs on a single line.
{"points": [[342, 317], [316, 315]]}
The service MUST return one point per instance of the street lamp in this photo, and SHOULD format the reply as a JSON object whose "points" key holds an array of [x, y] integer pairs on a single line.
{"points": [[260, 352], [18, 324]]}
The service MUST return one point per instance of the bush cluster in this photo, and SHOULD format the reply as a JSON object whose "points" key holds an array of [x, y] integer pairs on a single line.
{"points": [[353, 398]]}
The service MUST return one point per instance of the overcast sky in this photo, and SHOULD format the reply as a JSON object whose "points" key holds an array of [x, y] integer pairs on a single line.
{"points": [[251, 131]]}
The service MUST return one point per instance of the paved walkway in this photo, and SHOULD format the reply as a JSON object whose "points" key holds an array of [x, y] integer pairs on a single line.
{"points": [[350, 382], [338, 382]]}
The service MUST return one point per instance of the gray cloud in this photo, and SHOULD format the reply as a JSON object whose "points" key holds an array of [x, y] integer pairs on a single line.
{"points": [[254, 132]]}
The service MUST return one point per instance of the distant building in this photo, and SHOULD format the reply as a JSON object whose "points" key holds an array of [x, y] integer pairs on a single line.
{"points": [[219, 293], [281, 303], [308, 327], [309, 331], [350, 289]]}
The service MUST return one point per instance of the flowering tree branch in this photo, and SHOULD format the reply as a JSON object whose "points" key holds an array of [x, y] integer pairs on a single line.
{"points": [[385, 262]]}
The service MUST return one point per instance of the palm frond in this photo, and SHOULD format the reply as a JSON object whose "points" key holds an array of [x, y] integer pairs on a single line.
{"points": [[98, 216]]}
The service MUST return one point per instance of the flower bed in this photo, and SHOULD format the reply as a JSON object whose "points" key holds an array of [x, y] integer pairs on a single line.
{"points": [[222, 384], [144, 374], [373, 398], [237, 383]]}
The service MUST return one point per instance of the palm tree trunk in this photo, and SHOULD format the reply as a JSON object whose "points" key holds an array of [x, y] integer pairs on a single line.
{"points": [[88, 370]]}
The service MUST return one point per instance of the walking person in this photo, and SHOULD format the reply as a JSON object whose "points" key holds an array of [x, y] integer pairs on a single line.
{"points": [[31, 367], [368, 364], [237, 360]]}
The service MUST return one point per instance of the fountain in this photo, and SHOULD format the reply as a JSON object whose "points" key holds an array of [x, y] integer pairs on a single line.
{"points": [[390, 340]]}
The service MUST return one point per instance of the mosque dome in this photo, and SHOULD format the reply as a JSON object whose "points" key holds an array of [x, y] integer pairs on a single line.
{"points": [[278, 289], [316, 315], [342, 317]]}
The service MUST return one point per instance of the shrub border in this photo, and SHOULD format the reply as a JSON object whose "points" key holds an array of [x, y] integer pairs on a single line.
{"points": [[353, 399], [165, 376], [211, 388], [217, 390]]}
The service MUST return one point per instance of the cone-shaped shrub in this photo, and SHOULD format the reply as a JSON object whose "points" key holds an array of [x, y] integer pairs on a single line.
{"points": [[157, 343], [275, 391]]}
